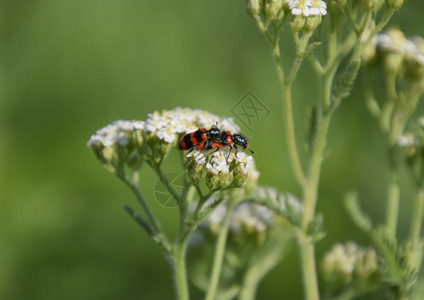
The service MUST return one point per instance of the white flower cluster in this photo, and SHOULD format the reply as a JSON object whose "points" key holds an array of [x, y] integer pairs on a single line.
{"points": [[245, 216], [166, 126], [344, 261], [279, 200], [118, 133], [407, 140], [307, 7], [169, 125], [394, 41], [228, 167], [220, 161]]}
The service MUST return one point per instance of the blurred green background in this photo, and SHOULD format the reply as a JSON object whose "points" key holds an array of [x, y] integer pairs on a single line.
{"points": [[70, 67]]}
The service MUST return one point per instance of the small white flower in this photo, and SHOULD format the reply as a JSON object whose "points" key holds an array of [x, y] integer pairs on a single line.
{"points": [[245, 215], [218, 163], [318, 7], [300, 7], [407, 140], [244, 161], [198, 156], [344, 260], [169, 125], [117, 133]]}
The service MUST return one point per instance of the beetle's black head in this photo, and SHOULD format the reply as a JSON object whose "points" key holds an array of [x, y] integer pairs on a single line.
{"points": [[240, 140], [214, 132]]}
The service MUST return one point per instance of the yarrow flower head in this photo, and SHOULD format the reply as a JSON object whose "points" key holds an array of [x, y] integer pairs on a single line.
{"points": [[247, 219], [168, 126], [230, 168], [307, 8], [346, 263], [400, 54], [123, 142], [118, 133], [115, 143]]}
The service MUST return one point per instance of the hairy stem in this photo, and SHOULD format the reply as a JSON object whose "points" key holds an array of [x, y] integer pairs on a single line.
{"points": [[180, 272], [219, 253], [310, 281], [149, 214], [392, 212], [416, 221]]}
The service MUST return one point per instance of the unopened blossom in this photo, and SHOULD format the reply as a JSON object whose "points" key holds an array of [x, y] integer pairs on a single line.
{"points": [[349, 262]]}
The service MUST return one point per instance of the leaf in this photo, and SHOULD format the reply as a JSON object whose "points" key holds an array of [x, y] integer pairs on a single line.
{"points": [[140, 220], [358, 216]]}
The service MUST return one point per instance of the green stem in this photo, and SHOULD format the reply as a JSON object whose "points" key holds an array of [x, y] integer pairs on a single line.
{"points": [[417, 220], [308, 268], [180, 272], [219, 253], [291, 136], [309, 202], [150, 217], [311, 188], [393, 203], [288, 110], [250, 285]]}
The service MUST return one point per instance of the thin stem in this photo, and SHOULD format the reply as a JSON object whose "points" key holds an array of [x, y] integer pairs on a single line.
{"points": [[311, 188], [392, 212], [288, 110], [250, 285], [291, 136], [180, 272], [308, 269], [309, 202], [219, 253], [150, 216], [417, 219], [166, 183]]}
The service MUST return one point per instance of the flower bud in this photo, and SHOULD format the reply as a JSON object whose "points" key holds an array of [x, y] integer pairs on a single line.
{"points": [[394, 3], [254, 7], [369, 4], [196, 166], [337, 6], [273, 9], [366, 264], [218, 181], [297, 23], [349, 264], [313, 22]]}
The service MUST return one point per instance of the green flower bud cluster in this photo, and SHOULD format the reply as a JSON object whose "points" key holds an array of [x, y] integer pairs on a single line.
{"points": [[350, 264], [394, 3], [271, 10], [400, 56], [337, 6]]}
